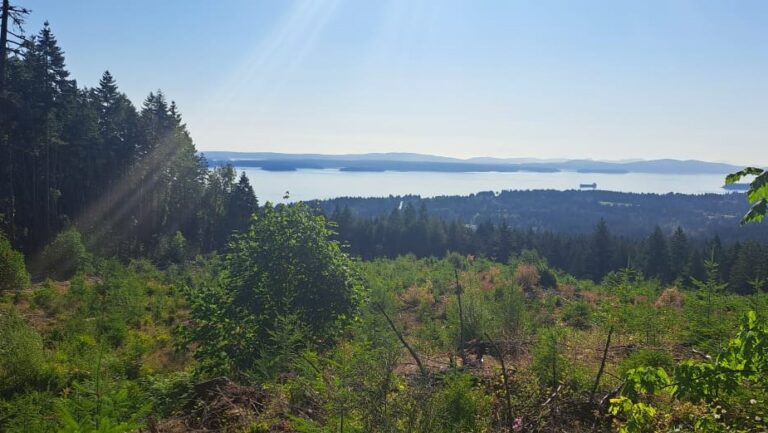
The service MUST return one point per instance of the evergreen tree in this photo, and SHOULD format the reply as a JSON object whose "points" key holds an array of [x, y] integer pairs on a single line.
{"points": [[504, 244], [657, 256], [242, 204], [117, 128], [748, 266], [679, 253], [711, 286], [85, 157], [601, 251]]}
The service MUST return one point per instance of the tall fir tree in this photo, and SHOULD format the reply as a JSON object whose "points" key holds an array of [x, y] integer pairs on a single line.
{"points": [[657, 256], [601, 251], [679, 254]]}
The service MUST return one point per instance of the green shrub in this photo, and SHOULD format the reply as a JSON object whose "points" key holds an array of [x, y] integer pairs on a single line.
{"points": [[169, 393], [22, 359], [577, 314], [511, 309], [66, 255], [287, 265], [103, 407], [477, 315], [28, 413], [13, 273], [547, 280], [460, 406], [43, 296], [647, 358], [172, 249], [549, 364]]}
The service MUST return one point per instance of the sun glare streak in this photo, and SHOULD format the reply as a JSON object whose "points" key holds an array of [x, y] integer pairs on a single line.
{"points": [[103, 216], [267, 68]]}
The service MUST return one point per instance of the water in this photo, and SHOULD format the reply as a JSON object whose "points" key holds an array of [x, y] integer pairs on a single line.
{"points": [[330, 183]]}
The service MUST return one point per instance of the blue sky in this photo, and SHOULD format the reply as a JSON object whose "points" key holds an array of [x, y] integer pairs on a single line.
{"points": [[548, 79]]}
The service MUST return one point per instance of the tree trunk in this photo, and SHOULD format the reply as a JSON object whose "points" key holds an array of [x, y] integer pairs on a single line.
{"points": [[505, 378], [461, 320], [4, 45], [4, 121]]}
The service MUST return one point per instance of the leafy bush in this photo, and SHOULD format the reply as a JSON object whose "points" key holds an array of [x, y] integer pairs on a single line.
{"points": [[169, 392], [548, 280], [43, 296], [460, 406], [13, 273], [172, 249], [22, 359], [285, 265], [117, 302], [731, 384], [577, 314], [66, 255], [103, 407], [647, 358], [28, 412]]}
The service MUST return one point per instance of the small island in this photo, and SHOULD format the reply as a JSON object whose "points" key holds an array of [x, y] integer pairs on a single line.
{"points": [[741, 187]]}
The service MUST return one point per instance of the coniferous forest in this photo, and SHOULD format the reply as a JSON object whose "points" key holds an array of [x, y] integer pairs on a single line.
{"points": [[143, 291], [87, 157]]}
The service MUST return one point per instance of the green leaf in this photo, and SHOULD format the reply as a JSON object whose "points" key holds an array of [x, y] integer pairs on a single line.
{"points": [[749, 171], [758, 189], [756, 213]]}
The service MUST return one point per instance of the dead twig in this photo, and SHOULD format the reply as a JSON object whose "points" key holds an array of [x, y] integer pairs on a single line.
{"points": [[415, 357], [602, 365]]}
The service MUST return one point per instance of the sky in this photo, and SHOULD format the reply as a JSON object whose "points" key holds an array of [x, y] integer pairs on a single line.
{"points": [[606, 80]]}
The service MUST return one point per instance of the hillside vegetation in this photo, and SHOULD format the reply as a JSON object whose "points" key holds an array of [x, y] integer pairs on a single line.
{"points": [[285, 333]]}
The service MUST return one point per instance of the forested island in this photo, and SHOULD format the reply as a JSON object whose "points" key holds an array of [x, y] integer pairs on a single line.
{"points": [[432, 163], [143, 289]]}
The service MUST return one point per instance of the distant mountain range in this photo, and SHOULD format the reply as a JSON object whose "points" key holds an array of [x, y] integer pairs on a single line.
{"points": [[421, 162], [273, 156]]}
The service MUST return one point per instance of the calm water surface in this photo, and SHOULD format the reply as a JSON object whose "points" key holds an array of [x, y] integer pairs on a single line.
{"points": [[323, 184]]}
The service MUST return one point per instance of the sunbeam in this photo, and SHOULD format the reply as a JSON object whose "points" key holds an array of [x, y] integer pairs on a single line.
{"points": [[266, 69]]}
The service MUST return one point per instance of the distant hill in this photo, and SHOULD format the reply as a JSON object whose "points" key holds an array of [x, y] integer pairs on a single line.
{"points": [[421, 162], [272, 156]]}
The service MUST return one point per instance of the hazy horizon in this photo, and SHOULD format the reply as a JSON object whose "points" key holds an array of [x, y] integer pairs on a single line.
{"points": [[587, 80], [465, 158]]}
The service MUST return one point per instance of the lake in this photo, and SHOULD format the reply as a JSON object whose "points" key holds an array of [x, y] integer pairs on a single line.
{"points": [[329, 183]]}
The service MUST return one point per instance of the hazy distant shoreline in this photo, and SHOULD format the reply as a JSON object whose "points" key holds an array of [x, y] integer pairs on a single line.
{"points": [[310, 184], [407, 162]]}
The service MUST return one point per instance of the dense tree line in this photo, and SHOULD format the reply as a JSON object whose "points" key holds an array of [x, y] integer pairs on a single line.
{"points": [[669, 256], [628, 214], [129, 178]]}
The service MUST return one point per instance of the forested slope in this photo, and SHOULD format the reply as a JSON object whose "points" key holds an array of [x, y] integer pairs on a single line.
{"points": [[628, 214], [86, 157]]}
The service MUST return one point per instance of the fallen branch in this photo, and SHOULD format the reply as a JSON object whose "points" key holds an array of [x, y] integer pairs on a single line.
{"points": [[402, 340], [602, 365], [505, 378], [613, 393], [701, 354]]}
